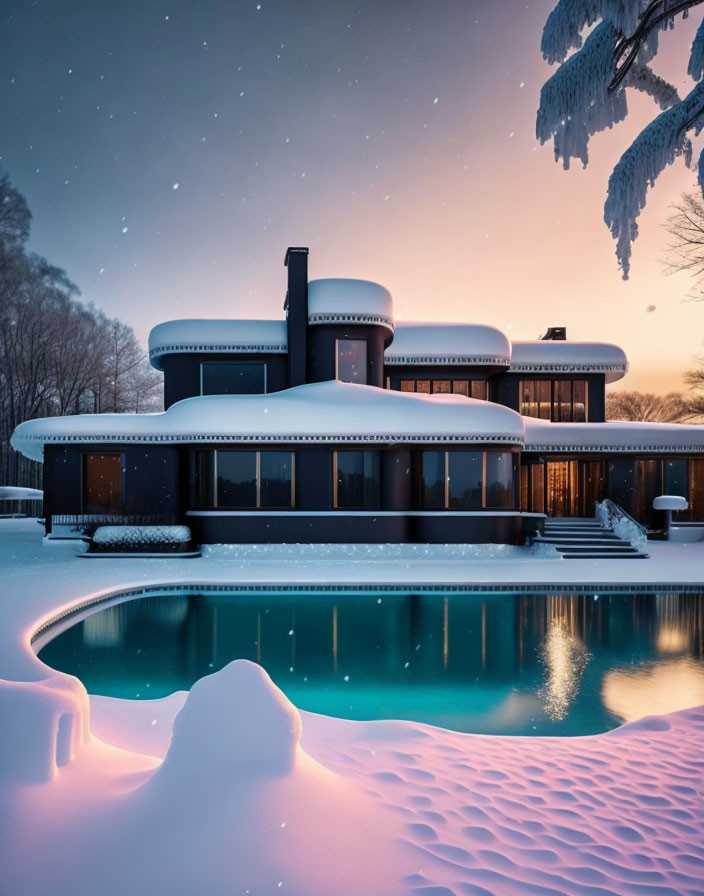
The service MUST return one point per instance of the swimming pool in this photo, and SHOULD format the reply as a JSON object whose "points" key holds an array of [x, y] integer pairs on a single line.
{"points": [[535, 664]]}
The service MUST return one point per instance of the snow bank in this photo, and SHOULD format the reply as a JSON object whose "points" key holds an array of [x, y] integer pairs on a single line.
{"points": [[561, 356], [317, 412], [436, 344], [338, 300], [175, 337], [43, 725]]}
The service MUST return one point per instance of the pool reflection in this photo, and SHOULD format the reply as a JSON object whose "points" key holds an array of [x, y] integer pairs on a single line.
{"points": [[499, 663]]}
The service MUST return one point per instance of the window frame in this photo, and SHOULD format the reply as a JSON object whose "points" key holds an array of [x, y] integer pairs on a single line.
{"points": [[123, 481], [335, 479], [232, 364], [365, 342], [553, 402], [420, 488], [258, 468]]}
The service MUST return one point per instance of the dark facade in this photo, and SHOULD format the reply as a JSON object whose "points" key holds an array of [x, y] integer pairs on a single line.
{"points": [[433, 491]]}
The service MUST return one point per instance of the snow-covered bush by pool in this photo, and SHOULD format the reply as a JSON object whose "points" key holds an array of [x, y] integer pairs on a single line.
{"points": [[141, 538]]}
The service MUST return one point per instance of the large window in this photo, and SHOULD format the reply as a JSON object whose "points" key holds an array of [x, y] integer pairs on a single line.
{"points": [[351, 360], [470, 388], [558, 400], [103, 482], [356, 480], [245, 479], [563, 487], [468, 480], [232, 377]]}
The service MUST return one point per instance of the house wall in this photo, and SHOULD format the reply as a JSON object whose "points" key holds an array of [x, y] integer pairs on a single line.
{"points": [[630, 480], [182, 373], [506, 390], [394, 373], [321, 350], [153, 484], [395, 519]]}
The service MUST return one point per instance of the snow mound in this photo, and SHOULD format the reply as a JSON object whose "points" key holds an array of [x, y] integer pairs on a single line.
{"points": [[234, 723], [43, 727]]}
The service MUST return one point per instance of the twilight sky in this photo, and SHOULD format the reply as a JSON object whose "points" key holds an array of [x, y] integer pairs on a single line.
{"points": [[171, 150]]}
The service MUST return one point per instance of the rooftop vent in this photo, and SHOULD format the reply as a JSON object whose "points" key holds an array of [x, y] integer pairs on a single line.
{"points": [[558, 334]]}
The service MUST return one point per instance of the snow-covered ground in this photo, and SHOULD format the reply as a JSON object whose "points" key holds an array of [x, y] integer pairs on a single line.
{"points": [[251, 796]]}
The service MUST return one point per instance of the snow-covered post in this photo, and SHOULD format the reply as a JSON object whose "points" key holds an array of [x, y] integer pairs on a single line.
{"points": [[668, 503]]}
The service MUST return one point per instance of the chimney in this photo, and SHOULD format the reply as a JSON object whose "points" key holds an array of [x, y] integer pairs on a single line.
{"points": [[296, 307], [557, 334]]}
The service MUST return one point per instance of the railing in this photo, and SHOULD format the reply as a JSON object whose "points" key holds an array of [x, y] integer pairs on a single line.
{"points": [[611, 516], [87, 523]]}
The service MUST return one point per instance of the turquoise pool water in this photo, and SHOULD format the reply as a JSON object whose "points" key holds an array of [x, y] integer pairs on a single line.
{"points": [[496, 663]]}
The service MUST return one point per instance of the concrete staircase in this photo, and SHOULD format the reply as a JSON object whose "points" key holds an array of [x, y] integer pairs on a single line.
{"points": [[585, 539]]}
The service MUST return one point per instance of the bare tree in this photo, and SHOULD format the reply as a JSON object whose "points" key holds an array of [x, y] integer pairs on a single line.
{"points": [[57, 355], [686, 252], [645, 406]]}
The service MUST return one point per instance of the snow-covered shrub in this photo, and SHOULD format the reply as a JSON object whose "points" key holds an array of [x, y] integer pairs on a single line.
{"points": [[141, 538]]}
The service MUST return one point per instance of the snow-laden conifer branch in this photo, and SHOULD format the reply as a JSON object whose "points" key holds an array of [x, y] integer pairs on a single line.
{"points": [[565, 24], [576, 103], [643, 78], [587, 94], [643, 42], [657, 146], [695, 69]]}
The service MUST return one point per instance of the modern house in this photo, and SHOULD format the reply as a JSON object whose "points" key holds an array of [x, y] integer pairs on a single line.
{"points": [[337, 424]]}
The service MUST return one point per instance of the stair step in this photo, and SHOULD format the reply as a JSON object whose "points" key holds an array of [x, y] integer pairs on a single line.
{"points": [[578, 541], [621, 547], [635, 556]]}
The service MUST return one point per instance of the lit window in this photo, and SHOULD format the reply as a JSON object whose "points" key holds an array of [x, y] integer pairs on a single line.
{"points": [[441, 386]]}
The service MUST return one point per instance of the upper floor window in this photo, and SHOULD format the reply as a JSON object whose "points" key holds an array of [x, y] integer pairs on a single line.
{"points": [[245, 479], [356, 480], [103, 482], [562, 401], [232, 377], [470, 388], [351, 360]]}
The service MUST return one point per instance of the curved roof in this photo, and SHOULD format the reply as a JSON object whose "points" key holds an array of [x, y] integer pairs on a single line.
{"points": [[614, 437], [221, 336], [444, 343], [561, 356], [340, 300], [316, 412]]}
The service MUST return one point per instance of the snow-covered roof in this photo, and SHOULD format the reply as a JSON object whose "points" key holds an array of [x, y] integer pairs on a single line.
{"points": [[447, 343], [561, 356], [614, 437], [20, 493], [223, 336], [338, 300], [316, 412]]}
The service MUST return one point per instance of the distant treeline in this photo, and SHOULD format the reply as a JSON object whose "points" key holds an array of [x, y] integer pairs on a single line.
{"points": [[57, 354]]}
